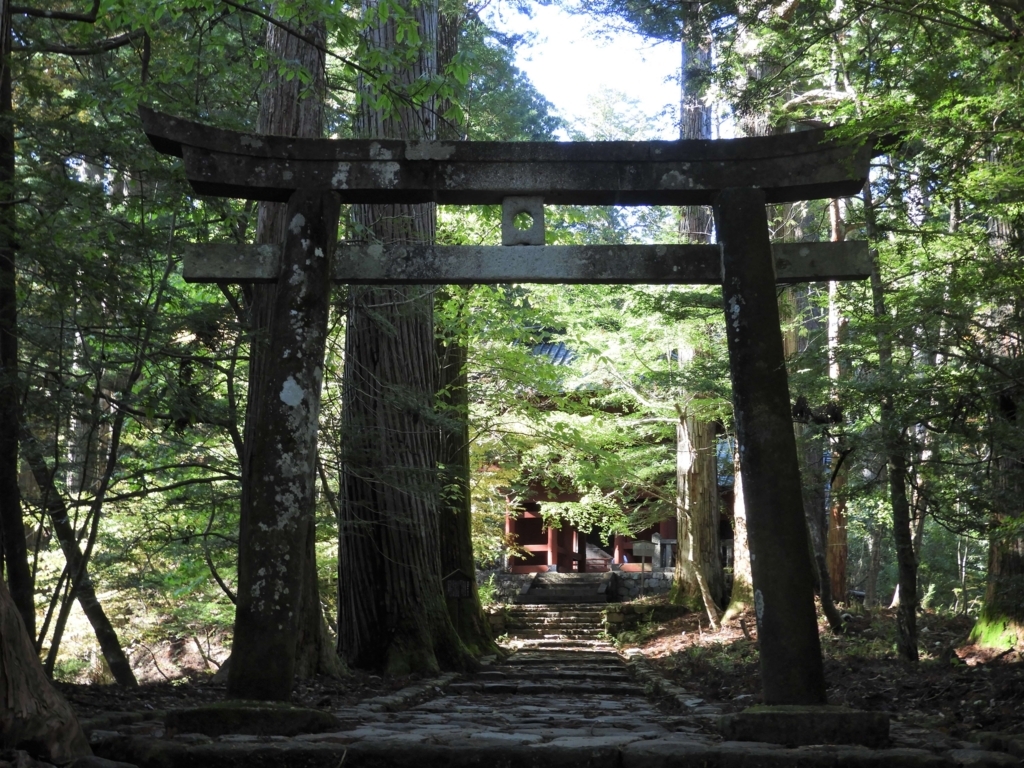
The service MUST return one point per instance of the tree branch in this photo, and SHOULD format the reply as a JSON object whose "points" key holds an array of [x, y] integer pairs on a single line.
{"points": [[86, 18], [110, 44]]}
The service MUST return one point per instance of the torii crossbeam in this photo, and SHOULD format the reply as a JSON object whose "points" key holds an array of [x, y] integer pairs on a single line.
{"points": [[737, 177]]}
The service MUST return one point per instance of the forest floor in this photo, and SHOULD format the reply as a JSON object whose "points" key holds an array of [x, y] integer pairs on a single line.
{"points": [[956, 688]]}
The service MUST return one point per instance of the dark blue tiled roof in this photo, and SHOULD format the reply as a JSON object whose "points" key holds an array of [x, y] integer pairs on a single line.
{"points": [[556, 352]]}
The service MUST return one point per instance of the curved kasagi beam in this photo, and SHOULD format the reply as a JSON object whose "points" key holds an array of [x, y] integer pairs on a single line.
{"points": [[788, 167]]}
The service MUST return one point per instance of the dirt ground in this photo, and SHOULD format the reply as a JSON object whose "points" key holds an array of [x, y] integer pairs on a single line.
{"points": [[91, 700], [957, 687]]}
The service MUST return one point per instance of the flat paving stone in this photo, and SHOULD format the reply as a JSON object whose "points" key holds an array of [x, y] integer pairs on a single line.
{"points": [[569, 709]]}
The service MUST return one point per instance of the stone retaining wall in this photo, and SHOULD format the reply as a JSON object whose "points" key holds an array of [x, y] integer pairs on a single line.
{"points": [[507, 586], [626, 585]]}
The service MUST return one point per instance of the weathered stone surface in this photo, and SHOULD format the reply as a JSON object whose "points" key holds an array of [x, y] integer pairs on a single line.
{"points": [[797, 725], [1012, 744], [259, 718], [789, 167], [979, 758], [91, 761], [584, 264]]}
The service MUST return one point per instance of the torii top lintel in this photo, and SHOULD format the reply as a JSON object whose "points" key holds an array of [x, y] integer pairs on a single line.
{"points": [[788, 167]]}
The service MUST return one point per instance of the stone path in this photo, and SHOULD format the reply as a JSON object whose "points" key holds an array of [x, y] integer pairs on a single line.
{"points": [[541, 708]]}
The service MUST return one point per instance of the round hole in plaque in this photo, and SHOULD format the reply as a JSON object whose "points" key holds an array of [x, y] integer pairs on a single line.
{"points": [[522, 221]]}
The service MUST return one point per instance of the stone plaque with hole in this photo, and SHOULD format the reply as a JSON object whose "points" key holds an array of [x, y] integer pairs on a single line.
{"points": [[522, 221]]}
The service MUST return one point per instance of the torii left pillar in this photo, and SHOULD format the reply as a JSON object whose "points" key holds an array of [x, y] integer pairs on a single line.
{"points": [[282, 459], [780, 559]]}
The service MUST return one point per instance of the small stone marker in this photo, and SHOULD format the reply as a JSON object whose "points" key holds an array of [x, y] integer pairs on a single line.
{"points": [[644, 549], [458, 586]]}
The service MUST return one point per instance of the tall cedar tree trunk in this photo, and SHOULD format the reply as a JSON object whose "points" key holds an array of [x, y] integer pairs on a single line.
{"points": [[455, 526], [1001, 624], [283, 409], [77, 562], [391, 608], [33, 714], [699, 580], [12, 531], [742, 595], [896, 461], [838, 550]]}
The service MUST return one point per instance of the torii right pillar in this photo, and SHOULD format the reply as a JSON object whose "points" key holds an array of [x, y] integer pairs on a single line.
{"points": [[791, 665]]}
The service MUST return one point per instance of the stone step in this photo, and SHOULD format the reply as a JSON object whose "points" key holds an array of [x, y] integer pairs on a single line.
{"points": [[553, 621], [555, 597], [581, 606], [569, 634], [562, 675], [546, 687], [571, 578]]}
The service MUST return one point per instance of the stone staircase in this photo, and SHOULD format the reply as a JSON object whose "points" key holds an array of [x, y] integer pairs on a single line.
{"points": [[561, 610], [563, 588]]}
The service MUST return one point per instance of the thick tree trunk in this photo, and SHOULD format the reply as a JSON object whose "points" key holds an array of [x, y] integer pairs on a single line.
{"points": [[699, 581], [77, 562], [896, 454], [742, 595], [455, 527], [12, 530], [695, 221], [33, 715], [392, 613], [1001, 623], [287, 108]]}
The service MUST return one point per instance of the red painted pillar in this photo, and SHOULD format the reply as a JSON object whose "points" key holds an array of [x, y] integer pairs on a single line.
{"points": [[553, 547]]}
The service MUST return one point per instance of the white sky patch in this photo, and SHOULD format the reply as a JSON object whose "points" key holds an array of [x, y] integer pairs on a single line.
{"points": [[569, 66]]}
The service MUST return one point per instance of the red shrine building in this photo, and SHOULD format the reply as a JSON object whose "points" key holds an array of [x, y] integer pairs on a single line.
{"points": [[566, 549]]}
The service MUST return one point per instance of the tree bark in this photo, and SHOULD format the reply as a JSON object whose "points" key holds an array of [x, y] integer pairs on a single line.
{"points": [[33, 715], [896, 460], [455, 525], [742, 596], [12, 529], [287, 108], [77, 562], [392, 614], [699, 582], [1001, 623], [695, 222]]}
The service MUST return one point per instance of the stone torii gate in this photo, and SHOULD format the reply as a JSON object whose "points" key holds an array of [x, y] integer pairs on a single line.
{"points": [[737, 177]]}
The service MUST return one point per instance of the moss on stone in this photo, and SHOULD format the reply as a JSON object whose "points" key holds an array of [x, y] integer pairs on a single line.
{"points": [[997, 633]]}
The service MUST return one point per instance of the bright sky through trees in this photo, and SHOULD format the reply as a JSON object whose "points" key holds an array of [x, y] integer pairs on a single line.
{"points": [[569, 66]]}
